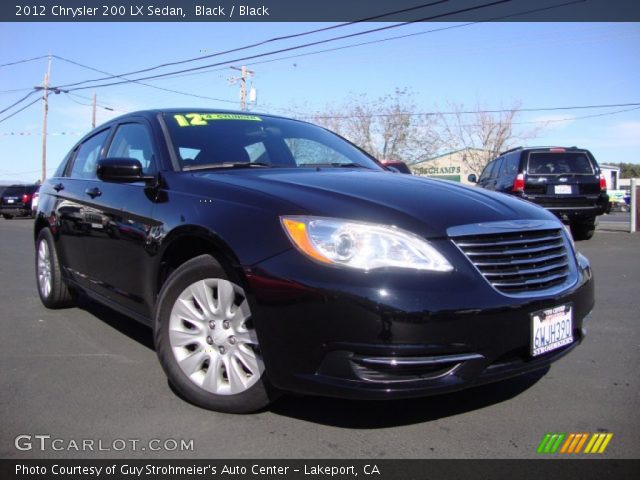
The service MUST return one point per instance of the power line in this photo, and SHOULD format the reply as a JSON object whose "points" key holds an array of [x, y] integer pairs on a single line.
{"points": [[141, 83], [18, 102], [297, 47], [398, 37], [177, 75], [257, 44], [69, 96], [470, 112], [23, 61], [18, 111], [502, 17], [569, 119], [387, 39]]}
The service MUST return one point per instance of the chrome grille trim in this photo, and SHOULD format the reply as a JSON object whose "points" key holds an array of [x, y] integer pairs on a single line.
{"points": [[519, 258]]}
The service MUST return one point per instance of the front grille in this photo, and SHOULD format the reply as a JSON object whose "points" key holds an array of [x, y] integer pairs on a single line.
{"points": [[520, 262]]}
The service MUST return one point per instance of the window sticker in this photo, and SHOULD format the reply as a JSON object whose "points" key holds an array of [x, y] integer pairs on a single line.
{"points": [[200, 119]]}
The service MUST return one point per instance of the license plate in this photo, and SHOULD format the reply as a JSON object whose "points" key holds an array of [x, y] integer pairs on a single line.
{"points": [[551, 328], [10, 200], [562, 189]]}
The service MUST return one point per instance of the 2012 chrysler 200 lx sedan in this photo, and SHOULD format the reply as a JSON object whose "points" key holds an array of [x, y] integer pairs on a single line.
{"points": [[272, 255]]}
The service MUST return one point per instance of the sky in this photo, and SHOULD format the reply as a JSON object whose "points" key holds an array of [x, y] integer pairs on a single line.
{"points": [[494, 65]]}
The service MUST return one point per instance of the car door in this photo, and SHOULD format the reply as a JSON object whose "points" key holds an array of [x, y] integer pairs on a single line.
{"points": [[70, 210], [508, 173], [117, 256], [485, 175], [492, 180]]}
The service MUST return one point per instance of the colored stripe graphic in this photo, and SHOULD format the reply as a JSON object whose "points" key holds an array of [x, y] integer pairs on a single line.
{"points": [[551, 442], [573, 443], [598, 443]]}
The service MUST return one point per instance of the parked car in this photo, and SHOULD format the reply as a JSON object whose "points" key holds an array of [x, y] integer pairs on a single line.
{"points": [[396, 165], [566, 181], [16, 201], [271, 255]]}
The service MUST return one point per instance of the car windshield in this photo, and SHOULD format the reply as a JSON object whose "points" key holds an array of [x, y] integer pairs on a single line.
{"points": [[544, 163], [225, 140]]}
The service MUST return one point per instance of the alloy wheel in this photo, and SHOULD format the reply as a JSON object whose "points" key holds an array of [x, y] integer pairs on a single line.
{"points": [[212, 338]]}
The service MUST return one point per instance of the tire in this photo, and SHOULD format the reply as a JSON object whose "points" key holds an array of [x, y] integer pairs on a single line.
{"points": [[583, 230], [206, 342], [52, 288], [7, 216]]}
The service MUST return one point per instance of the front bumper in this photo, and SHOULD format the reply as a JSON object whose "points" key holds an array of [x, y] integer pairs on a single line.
{"points": [[396, 334]]}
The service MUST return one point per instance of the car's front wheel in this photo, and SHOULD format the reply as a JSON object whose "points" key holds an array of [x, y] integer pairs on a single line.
{"points": [[206, 341], [7, 216]]}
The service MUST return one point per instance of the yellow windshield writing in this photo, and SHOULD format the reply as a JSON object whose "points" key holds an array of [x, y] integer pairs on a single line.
{"points": [[199, 119]]}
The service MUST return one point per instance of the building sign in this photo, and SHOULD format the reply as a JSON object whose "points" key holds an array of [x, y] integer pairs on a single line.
{"points": [[438, 170]]}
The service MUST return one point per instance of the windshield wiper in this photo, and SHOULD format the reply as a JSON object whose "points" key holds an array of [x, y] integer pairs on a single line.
{"points": [[209, 166], [334, 165]]}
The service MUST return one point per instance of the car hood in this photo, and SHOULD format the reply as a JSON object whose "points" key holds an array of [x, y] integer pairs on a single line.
{"points": [[425, 206]]}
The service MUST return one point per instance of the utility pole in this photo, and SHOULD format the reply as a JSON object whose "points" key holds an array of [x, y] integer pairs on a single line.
{"points": [[93, 115], [45, 111], [244, 74]]}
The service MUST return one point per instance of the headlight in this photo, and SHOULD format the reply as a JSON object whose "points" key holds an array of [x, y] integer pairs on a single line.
{"points": [[567, 230], [361, 245]]}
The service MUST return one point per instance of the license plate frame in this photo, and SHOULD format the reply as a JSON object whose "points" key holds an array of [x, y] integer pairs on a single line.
{"points": [[562, 189], [551, 328]]}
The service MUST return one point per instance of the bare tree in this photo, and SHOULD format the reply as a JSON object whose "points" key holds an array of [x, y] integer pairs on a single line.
{"points": [[483, 134], [387, 127]]}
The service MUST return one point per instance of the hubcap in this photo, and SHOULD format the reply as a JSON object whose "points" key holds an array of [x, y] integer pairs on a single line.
{"points": [[44, 269], [212, 339]]}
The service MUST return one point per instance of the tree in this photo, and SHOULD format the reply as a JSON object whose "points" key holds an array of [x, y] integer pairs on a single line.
{"points": [[482, 133], [386, 127]]}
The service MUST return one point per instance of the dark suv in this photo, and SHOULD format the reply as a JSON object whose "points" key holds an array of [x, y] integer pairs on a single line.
{"points": [[566, 181], [16, 201]]}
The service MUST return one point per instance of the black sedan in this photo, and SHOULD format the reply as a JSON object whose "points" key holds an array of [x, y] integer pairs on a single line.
{"points": [[272, 255]]}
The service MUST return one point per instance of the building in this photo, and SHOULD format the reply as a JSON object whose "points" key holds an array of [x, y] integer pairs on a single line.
{"points": [[453, 165], [611, 175]]}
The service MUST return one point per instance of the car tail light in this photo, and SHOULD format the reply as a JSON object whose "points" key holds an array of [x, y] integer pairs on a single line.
{"points": [[518, 183], [25, 198], [558, 150], [603, 183]]}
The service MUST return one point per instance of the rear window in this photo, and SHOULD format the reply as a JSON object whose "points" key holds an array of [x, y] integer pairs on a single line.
{"points": [[546, 163], [15, 190]]}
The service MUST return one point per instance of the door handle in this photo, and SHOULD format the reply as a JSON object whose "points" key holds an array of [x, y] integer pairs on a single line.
{"points": [[93, 192], [58, 186]]}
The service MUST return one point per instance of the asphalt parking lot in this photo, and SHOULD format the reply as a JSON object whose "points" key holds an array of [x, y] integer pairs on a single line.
{"points": [[90, 373]]}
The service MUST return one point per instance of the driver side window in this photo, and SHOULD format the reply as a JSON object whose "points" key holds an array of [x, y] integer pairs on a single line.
{"points": [[132, 140]]}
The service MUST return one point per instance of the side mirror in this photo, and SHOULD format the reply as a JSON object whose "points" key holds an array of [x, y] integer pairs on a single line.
{"points": [[472, 178], [121, 170]]}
